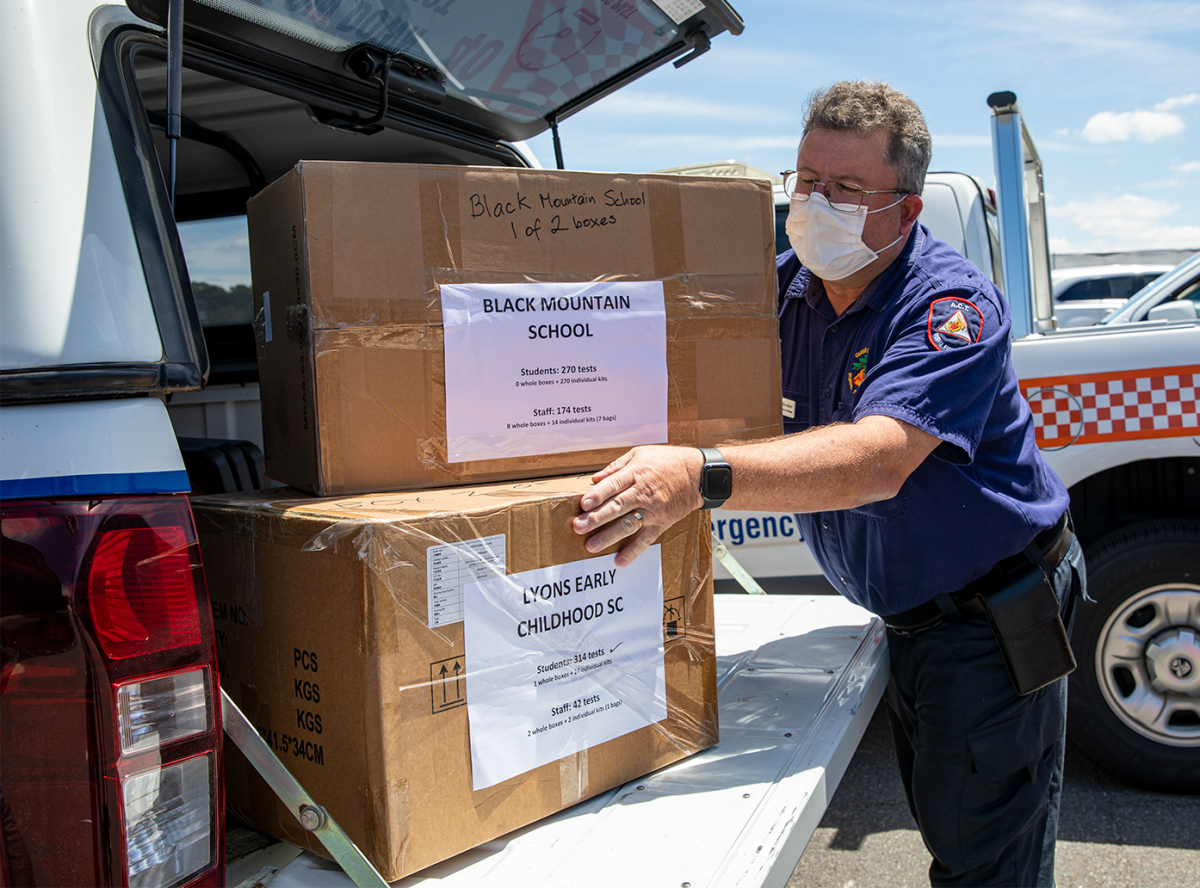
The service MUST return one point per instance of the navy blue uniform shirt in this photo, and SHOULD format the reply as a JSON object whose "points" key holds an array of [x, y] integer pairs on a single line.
{"points": [[926, 343]]}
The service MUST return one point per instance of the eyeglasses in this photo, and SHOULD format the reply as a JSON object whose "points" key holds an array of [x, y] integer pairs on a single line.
{"points": [[844, 196]]}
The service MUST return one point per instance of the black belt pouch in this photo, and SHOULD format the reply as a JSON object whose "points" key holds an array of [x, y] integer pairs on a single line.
{"points": [[1025, 618]]}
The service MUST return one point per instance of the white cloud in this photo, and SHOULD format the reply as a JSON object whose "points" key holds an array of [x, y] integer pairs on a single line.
{"points": [[636, 149], [1147, 36], [661, 105], [1191, 166], [1178, 102], [952, 140], [1126, 222], [1145, 126], [729, 147]]}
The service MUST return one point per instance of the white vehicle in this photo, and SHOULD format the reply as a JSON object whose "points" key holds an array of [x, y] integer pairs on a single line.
{"points": [[1087, 294], [1171, 297], [111, 752]]}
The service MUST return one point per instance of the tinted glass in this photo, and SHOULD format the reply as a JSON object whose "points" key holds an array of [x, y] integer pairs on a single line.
{"points": [[1093, 289], [1191, 293], [519, 58], [218, 260], [782, 244], [1124, 287], [1145, 279]]}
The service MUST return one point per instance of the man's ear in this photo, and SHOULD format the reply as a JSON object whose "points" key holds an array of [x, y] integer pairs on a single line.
{"points": [[909, 210]]}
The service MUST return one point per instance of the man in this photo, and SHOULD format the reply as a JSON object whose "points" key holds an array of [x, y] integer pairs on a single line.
{"points": [[917, 476]]}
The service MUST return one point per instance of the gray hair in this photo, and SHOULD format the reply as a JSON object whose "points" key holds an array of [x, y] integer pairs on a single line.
{"points": [[865, 107]]}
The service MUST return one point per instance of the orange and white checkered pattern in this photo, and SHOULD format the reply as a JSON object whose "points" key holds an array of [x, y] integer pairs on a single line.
{"points": [[1123, 406]]}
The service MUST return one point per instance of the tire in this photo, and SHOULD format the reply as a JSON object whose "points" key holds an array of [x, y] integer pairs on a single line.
{"points": [[1135, 697]]}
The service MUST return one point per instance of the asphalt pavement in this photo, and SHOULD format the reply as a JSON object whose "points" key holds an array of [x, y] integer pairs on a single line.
{"points": [[1111, 835]]}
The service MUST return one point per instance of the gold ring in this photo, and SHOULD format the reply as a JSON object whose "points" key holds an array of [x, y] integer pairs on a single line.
{"points": [[640, 520]]}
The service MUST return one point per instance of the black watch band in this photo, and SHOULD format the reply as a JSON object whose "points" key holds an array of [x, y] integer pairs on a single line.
{"points": [[716, 478]]}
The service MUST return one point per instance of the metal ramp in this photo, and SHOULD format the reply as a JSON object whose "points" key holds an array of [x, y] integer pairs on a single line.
{"points": [[799, 678]]}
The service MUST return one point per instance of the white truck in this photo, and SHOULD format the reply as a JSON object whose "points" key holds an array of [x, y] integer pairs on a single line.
{"points": [[122, 128]]}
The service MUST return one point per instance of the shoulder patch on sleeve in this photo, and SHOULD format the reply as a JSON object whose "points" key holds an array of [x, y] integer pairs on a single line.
{"points": [[952, 322]]}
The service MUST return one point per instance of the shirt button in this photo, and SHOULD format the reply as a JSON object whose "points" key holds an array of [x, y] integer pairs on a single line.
{"points": [[829, 393], [833, 329], [825, 524], [844, 583]]}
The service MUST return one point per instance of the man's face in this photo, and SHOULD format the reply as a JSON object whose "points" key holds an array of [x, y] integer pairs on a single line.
{"points": [[847, 156]]}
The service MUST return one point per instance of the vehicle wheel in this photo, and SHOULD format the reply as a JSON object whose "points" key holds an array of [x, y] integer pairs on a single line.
{"points": [[1135, 696]]}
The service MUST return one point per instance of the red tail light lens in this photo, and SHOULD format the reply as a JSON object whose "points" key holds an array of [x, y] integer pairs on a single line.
{"points": [[142, 591]]}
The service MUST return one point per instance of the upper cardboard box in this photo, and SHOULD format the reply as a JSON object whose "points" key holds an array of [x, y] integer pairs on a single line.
{"points": [[368, 384]]}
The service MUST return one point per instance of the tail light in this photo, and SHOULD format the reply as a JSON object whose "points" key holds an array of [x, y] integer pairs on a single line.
{"points": [[143, 594], [110, 728]]}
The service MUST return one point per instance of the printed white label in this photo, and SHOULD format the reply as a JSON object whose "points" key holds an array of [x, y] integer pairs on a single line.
{"points": [[560, 659], [450, 567], [552, 368], [789, 408], [266, 315], [679, 11]]}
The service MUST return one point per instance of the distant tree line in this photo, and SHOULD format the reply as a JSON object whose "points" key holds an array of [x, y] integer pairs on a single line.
{"points": [[221, 307]]}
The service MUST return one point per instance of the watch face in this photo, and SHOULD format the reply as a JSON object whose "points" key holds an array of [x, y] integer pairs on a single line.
{"points": [[718, 482]]}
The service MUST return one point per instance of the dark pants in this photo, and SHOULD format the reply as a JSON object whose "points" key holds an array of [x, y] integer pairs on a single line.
{"points": [[982, 766]]}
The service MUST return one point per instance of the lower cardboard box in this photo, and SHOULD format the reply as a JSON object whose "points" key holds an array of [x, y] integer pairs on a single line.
{"points": [[439, 668]]}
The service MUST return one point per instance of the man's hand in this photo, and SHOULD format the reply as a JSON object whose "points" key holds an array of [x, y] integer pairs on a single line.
{"points": [[662, 484], [839, 466]]}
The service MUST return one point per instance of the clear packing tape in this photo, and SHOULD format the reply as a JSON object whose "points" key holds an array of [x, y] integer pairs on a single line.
{"points": [[361, 566]]}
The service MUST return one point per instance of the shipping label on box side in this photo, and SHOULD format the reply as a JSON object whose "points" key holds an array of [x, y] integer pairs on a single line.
{"points": [[450, 566], [562, 659], [539, 368]]}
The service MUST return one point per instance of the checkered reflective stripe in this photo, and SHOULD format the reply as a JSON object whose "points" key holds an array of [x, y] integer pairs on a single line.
{"points": [[1130, 404], [622, 45]]}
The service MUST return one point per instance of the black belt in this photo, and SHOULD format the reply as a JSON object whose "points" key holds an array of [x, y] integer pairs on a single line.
{"points": [[1053, 544]]}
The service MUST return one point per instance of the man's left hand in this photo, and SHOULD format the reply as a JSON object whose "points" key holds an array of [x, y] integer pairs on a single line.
{"points": [[661, 484]]}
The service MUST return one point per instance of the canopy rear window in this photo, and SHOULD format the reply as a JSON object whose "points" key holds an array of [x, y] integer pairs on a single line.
{"points": [[519, 59]]}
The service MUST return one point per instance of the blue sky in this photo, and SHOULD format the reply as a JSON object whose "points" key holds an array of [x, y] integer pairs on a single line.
{"points": [[1109, 90]]}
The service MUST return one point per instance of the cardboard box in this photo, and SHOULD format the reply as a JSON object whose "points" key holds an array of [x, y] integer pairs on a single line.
{"points": [[379, 705], [350, 264]]}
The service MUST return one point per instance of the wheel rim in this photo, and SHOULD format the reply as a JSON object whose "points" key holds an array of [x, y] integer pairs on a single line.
{"points": [[1148, 663]]}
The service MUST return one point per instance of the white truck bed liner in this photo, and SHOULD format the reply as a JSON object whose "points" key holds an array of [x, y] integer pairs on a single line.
{"points": [[798, 677]]}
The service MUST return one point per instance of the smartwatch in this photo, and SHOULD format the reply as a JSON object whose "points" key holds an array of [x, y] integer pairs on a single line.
{"points": [[716, 478]]}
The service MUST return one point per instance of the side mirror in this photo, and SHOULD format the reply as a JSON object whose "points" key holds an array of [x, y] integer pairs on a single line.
{"points": [[1179, 310]]}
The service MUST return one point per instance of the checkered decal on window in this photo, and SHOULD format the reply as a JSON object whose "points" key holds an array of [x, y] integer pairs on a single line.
{"points": [[622, 46], [1131, 404]]}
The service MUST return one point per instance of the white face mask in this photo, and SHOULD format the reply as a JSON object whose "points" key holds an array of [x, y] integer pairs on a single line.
{"points": [[829, 242]]}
